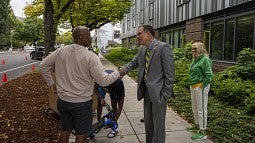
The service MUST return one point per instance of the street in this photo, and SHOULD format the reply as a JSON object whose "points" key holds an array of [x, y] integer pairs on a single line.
{"points": [[16, 64]]}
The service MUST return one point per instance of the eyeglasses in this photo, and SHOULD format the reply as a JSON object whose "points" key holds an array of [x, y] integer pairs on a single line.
{"points": [[194, 49]]}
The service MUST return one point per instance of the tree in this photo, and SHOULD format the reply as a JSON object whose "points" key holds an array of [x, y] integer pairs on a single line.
{"points": [[31, 30], [65, 38], [4, 15], [96, 13], [90, 13], [6, 22]]}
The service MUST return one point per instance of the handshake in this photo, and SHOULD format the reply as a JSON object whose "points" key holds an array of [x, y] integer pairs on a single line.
{"points": [[121, 71]]}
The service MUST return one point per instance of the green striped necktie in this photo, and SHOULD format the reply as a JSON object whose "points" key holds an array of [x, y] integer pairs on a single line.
{"points": [[147, 59]]}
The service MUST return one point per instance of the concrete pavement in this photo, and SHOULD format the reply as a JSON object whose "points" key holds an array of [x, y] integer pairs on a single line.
{"points": [[131, 130]]}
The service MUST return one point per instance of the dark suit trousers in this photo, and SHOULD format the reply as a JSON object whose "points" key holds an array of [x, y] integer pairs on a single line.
{"points": [[154, 119]]}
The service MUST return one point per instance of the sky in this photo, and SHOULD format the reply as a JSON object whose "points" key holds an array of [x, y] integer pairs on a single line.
{"points": [[17, 6]]}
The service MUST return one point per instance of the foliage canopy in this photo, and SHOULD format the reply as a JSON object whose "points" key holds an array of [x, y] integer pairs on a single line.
{"points": [[90, 13]]}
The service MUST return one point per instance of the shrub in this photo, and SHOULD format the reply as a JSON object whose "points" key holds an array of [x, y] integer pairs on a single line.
{"points": [[230, 72], [229, 90], [184, 52], [182, 73], [245, 67], [129, 51], [246, 57], [234, 91], [250, 101], [120, 56]]}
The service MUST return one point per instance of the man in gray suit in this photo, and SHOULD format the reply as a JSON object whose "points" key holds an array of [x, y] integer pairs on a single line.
{"points": [[155, 64]]}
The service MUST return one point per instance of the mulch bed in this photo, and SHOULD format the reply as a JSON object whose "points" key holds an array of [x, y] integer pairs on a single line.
{"points": [[22, 111]]}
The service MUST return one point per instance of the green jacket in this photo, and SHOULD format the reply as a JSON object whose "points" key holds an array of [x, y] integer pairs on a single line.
{"points": [[201, 70]]}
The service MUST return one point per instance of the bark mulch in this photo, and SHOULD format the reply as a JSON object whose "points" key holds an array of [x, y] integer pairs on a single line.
{"points": [[22, 111]]}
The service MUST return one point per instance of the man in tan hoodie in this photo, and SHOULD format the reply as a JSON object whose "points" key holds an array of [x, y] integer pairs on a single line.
{"points": [[76, 70]]}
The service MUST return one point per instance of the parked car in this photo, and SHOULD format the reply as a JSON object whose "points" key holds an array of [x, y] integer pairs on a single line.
{"points": [[38, 54], [29, 49]]}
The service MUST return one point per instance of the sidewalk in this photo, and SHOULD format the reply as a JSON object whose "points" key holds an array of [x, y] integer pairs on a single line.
{"points": [[131, 130]]}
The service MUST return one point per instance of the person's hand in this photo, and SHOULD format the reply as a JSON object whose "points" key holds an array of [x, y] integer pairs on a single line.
{"points": [[103, 103], [197, 85], [122, 72]]}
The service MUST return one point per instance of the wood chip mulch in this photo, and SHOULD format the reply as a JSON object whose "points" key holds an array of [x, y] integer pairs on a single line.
{"points": [[23, 102]]}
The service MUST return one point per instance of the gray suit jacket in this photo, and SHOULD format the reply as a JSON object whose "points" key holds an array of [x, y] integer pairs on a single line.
{"points": [[160, 75]]}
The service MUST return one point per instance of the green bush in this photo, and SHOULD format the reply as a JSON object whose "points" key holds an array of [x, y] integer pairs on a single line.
{"points": [[246, 57], [121, 56], [127, 58], [231, 91], [128, 51], [250, 101], [235, 92], [184, 52], [182, 73], [245, 67], [228, 73]]}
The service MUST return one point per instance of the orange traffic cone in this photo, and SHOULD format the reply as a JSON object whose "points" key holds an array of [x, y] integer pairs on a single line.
{"points": [[33, 67], [4, 79], [3, 62]]}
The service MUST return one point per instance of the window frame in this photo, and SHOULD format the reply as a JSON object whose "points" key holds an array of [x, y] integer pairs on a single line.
{"points": [[181, 2]]}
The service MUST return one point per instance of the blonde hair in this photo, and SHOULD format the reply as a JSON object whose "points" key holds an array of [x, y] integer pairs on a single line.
{"points": [[200, 48]]}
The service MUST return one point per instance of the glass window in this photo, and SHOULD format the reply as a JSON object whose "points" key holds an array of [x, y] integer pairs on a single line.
{"points": [[171, 38], [134, 21], [229, 39], [180, 34], [163, 37], [183, 37], [244, 33], [176, 39], [142, 17], [207, 40], [151, 10], [217, 40], [128, 21], [133, 10], [123, 27], [146, 2], [168, 38]]}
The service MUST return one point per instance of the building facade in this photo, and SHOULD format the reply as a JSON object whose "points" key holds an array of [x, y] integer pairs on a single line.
{"points": [[225, 26], [106, 36]]}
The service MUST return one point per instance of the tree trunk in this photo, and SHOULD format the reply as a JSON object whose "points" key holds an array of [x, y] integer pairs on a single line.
{"points": [[49, 27]]}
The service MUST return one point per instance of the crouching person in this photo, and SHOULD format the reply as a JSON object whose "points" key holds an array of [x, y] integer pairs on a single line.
{"points": [[117, 94]]}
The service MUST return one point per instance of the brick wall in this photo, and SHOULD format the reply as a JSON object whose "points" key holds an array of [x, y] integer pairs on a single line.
{"points": [[220, 66], [194, 30]]}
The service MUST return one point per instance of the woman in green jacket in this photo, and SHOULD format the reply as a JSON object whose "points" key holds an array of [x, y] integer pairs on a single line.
{"points": [[200, 77]]}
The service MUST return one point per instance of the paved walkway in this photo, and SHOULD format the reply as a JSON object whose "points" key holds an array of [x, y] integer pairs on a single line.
{"points": [[131, 130]]}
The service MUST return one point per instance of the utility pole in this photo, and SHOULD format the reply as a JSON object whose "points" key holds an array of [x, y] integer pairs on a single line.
{"points": [[11, 37]]}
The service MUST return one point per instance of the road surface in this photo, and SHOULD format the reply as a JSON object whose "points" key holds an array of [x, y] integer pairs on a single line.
{"points": [[16, 64]]}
